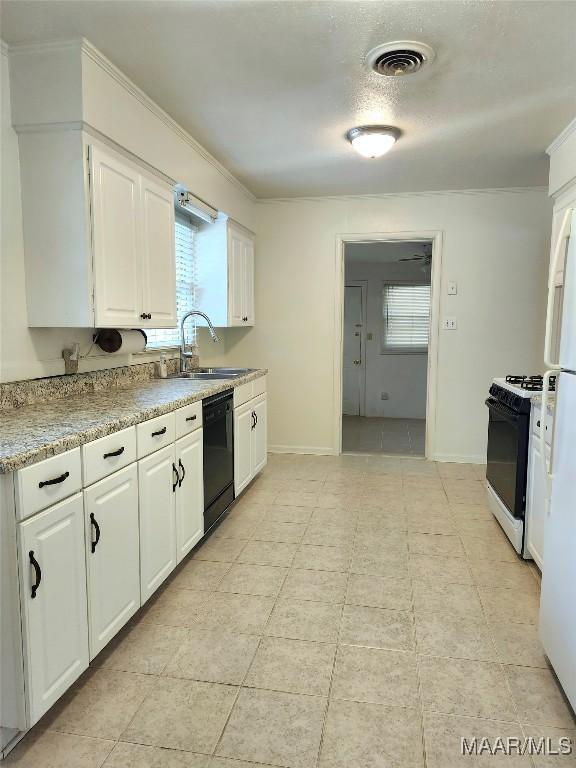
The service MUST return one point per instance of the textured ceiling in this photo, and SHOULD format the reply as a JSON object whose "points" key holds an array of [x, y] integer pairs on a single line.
{"points": [[271, 87]]}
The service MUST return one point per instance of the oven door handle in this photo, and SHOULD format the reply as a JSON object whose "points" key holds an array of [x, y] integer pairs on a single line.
{"points": [[495, 406]]}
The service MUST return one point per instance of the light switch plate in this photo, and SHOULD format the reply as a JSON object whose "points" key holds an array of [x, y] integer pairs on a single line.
{"points": [[449, 324], [452, 288]]}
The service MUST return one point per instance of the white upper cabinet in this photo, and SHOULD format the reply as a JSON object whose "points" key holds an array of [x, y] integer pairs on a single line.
{"points": [[225, 290], [99, 236], [115, 197], [158, 263]]}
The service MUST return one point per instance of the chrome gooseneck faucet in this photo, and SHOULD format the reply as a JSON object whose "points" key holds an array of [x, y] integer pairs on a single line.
{"points": [[185, 356]]}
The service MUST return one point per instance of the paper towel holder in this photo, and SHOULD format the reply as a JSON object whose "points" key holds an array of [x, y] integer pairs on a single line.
{"points": [[110, 340]]}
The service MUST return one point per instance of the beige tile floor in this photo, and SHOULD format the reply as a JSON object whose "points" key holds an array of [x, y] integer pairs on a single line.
{"points": [[351, 612], [401, 437]]}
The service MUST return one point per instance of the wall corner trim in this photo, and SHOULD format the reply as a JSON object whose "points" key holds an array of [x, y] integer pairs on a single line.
{"points": [[85, 47], [562, 137]]}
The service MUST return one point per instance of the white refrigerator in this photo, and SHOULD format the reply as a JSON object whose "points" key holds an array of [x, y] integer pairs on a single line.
{"points": [[558, 600]]}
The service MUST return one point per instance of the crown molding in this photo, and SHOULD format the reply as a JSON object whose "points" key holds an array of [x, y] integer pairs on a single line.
{"points": [[562, 137], [84, 46], [396, 195]]}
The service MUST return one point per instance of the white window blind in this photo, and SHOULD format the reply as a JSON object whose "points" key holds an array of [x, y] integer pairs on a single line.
{"points": [[406, 317], [185, 240]]}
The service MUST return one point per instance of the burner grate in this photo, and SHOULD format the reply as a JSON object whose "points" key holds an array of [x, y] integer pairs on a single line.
{"points": [[531, 383]]}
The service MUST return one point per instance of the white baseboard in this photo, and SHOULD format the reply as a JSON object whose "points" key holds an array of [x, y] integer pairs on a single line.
{"points": [[458, 458], [302, 449]]}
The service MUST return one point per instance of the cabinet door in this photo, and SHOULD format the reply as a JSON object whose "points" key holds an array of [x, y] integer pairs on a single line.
{"points": [[536, 501], [54, 607], [236, 311], [249, 282], [158, 255], [259, 435], [243, 422], [157, 483], [115, 198], [112, 554], [190, 492]]}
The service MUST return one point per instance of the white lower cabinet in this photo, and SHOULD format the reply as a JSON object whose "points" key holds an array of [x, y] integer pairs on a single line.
{"points": [[250, 441], [536, 501], [54, 605], [112, 554], [243, 422], [259, 435], [190, 492], [157, 483]]}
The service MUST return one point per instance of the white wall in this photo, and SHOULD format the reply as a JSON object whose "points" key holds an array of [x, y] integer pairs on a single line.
{"points": [[403, 377], [495, 245], [31, 353]]}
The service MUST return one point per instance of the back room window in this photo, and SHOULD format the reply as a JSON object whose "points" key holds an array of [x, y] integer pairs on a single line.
{"points": [[405, 318]]}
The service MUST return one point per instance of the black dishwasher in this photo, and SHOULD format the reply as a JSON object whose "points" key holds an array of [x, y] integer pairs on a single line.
{"points": [[218, 423]]}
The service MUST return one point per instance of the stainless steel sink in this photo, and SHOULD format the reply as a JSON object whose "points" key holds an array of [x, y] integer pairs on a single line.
{"points": [[213, 373]]}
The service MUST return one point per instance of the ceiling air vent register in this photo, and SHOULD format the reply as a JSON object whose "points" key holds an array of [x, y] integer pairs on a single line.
{"points": [[403, 57]]}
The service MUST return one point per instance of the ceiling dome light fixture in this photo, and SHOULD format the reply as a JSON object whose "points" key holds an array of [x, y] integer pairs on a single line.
{"points": [[373, 140]]}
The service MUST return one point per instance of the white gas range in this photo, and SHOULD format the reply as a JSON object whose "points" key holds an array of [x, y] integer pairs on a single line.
{"points": [[509, 406]]}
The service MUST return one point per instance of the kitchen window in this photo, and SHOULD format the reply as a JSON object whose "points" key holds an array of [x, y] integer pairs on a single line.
{"points": [[405, 318], [185, 241]]}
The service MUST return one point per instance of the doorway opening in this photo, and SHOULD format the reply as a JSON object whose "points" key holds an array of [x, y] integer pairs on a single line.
{"points": [[387, 309]]}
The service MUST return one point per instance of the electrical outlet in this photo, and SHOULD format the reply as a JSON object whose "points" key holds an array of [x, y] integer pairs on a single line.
{"points": [[449, 324], [452, 288], [369, 336], [384, 396]]}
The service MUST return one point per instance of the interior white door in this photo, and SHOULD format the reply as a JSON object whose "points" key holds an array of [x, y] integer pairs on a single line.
{"points": [[568, 329], [158, 255], [243, 463], [558, 597], [259, 435], [112, 554], [157, 484], [54, 605], [190, 492], [115, 198], [236, 279], [249, 313], [352, 372]]}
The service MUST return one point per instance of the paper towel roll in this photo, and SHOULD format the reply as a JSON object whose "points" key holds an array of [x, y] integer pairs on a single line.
{"points": [[121, 342]]}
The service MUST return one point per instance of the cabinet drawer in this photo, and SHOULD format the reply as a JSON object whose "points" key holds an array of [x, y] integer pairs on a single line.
{"points": [[155, 434], [47, 482], [188, 418], [259, 386], [246, 392], [242, 394], [108, 454]]}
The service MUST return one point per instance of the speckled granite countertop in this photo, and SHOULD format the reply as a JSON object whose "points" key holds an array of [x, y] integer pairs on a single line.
{"points": [[35, 432]]}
